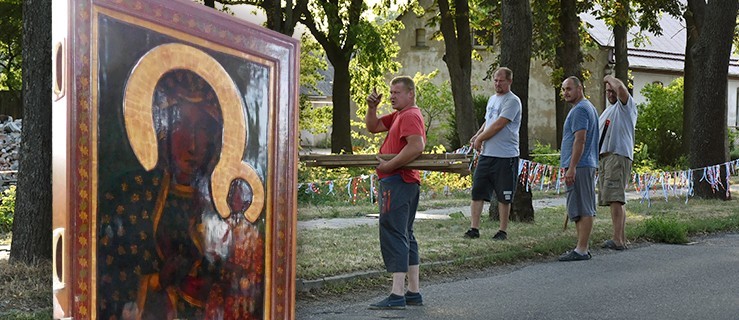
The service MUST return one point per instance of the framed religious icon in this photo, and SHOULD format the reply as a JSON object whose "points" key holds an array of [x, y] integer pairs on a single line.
{"points": [[174, 163]]}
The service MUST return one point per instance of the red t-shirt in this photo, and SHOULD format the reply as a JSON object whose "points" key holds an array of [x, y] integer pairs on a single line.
{"points": [[401, 124]]}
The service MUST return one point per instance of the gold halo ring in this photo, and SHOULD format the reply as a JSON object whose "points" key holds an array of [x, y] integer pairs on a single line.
{"points": [[138, 117]]}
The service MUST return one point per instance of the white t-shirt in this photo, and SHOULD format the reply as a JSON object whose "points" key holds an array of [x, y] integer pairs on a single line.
{"points": [[503, 144], [619, 137]]}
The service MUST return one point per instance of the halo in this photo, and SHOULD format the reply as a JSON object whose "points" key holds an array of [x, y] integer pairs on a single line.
{"points": [[137, 112]]}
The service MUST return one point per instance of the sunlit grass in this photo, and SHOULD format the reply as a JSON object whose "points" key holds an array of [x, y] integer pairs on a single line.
{"points": [[327, 252]]}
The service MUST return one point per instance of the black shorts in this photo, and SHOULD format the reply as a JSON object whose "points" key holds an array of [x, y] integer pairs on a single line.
{"points": [[497, 175]]}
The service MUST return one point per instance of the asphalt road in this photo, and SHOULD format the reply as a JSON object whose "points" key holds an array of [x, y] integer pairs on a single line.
{"points": [[659, 281]]}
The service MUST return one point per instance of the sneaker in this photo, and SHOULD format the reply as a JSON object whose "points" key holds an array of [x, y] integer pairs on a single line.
{"points": [[394, 301], [574, 256], [413, 298], [500, 235], [610, 244], [472, 233]]}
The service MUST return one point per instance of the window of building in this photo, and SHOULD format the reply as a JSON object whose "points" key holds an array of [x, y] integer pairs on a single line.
{"points": [[420, 37]]}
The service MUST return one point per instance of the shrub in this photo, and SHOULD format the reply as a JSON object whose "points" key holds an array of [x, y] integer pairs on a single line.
{"points": [[642, 162], [733, 136], [660, 123], [479, 103], [436, 102], [666, 230], [544, 153], [7, 208]]}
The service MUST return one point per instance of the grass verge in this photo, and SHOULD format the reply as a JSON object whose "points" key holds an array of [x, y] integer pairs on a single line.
{"points": [[330, 252]]}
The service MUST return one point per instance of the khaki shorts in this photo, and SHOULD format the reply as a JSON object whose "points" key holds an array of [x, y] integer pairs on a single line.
{"points": [[614, 172]]}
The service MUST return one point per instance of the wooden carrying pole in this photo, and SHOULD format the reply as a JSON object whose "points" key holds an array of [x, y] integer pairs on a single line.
{"points": [[455, 163]]}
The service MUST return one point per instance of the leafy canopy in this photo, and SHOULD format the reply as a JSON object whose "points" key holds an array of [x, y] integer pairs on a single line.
{"points": [[11, 38]]}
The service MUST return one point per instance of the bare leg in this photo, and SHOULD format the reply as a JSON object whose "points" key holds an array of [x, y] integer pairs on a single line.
{"points": [[398, 283], [584, 227], [413, 273], [618, 217], [504, 210], [475, 212]]}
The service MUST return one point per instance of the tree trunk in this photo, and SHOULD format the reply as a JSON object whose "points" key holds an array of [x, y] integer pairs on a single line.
{"points": [[33, 212], [569, 57], [515, 53], [341, 134], [620, 32], [693, 20], [455, 27], [710, 54], [562, 110]]}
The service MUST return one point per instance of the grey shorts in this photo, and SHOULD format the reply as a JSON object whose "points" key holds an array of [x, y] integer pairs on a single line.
{"points": [[398, 202], [614, 172], [497, 175], [581, 195]]}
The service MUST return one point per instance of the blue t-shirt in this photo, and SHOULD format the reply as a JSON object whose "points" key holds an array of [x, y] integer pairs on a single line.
{"points": [[583, 116]]}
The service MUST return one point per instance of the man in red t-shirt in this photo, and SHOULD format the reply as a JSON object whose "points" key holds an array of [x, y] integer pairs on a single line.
{"points": [[399, 189]]}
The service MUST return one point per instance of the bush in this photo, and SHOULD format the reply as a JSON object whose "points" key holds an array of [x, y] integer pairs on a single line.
{"points": [[436, 102], [479, 103], [660, 123], [545, 154], [642, 162], [666, 230], [7, 208], [733, 136]]}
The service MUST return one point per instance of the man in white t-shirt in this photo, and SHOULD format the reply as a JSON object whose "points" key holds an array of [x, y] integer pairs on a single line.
{"points": [[617, 125], [497, 142]]}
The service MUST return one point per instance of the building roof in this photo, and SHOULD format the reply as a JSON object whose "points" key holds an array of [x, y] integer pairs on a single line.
{"points": [[325, 86], [662, 53]]}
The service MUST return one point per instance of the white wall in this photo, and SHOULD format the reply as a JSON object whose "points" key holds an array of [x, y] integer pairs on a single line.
{"points": [[641, 79], [733, 103]]}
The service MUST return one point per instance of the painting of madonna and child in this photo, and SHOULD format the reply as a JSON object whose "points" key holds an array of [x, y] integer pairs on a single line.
{"points": [[181, 226]]}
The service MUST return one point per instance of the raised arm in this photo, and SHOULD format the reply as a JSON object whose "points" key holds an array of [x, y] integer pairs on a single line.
{"points": [[371, 121], [622, 93]]}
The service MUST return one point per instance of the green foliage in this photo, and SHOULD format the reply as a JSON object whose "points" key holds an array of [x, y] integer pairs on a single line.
{"points": [[660, 123], [315, 119], [545, 154], [642, 13], [436, 103], [11, 38], [666, 230], [733, 140], [7, 208], [479, 105], [374, 57], [547, 37], [642, 162]]}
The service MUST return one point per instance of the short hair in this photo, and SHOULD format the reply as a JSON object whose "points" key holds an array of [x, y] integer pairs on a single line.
{"points": [[576, 80], [406, 81], [507, 72]]}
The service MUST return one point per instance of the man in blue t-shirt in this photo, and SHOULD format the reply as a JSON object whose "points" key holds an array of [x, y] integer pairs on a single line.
{"points": [[579, 156]]}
